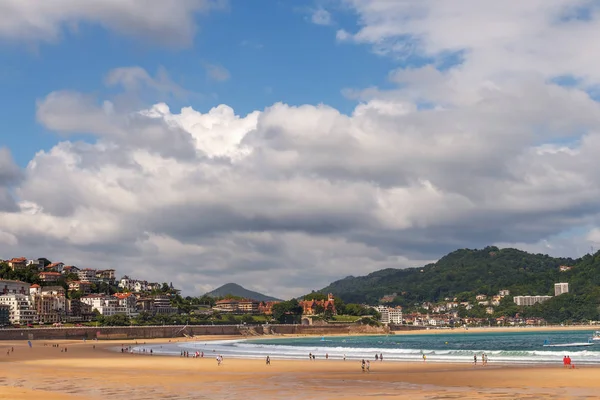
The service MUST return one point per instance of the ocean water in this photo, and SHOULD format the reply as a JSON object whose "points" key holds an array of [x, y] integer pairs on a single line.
{"points": [[520, 347]]}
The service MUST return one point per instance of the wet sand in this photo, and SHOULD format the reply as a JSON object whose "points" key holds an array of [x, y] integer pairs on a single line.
{"points": [[44, 372]]}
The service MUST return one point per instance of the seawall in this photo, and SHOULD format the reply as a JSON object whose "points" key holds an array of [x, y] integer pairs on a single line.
{"points": [[171, 331]]}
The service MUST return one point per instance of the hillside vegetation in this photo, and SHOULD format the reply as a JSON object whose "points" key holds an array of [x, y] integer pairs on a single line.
{"points": [[466, 272]]}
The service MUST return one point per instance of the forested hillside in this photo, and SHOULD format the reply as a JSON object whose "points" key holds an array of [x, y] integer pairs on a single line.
{"points": [[471, 271]]}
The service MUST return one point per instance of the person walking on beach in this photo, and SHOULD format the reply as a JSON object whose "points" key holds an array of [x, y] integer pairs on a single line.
{"points": [[363, 365], [268, 360], [380, 356], [376, 357], [424, 358], [368, 366], [310, 356], [474, 359]]}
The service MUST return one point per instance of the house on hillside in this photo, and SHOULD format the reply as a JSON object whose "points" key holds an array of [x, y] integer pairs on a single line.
{"points": [[17, 264]]}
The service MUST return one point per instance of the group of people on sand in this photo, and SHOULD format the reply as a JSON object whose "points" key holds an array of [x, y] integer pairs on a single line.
{"points": [[567, 362], [365, 365], [484, 359], [379, 357]]}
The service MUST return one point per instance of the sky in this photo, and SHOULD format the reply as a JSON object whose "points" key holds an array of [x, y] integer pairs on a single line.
{"points": [[284, 145]]}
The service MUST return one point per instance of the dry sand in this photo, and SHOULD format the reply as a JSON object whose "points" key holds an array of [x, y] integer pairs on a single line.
{"points": [[85, 372]]}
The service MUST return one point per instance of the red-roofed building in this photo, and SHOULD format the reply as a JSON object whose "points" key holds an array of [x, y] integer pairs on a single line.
{"points": [[49, 276], [55, 267], [310, 307], [17, 264]]}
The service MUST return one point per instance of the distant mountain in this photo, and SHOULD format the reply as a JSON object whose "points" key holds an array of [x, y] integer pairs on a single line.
{"points": [[233, 289]]}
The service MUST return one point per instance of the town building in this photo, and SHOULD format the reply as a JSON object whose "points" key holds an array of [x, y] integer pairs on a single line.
{"points": [[49, 303], [87, 275], [80, 286], [390, 315], [55, 267], [17, 264], [310, 307], [14, 287], [561, 288], [106, 276], [504, 292], [70, 269], [4, 315], [21, 309], [128, 303], [266, 307], [79, 311], [530, 300], [105, 305], [564, 268], [49, 276]]}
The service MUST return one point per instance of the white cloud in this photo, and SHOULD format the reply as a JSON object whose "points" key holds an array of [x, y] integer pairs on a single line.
{"points": [[288, 198], [320, 16], [154, 20], [217, 72]]}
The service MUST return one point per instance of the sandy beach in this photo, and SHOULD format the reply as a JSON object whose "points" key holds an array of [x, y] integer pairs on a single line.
{"points": [[91, 371]]}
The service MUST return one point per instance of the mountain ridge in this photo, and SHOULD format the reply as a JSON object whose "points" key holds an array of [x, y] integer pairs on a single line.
{"points": [[233, 289]]}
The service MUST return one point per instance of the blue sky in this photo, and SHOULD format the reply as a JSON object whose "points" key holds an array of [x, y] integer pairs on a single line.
{"points": [[273, 56]]}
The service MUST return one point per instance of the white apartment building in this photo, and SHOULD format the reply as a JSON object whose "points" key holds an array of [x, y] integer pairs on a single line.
{"points": [[21, 309], [390, 315], [87, 275], [128, 303], [112, 305], [530, 300], [561, 288]]}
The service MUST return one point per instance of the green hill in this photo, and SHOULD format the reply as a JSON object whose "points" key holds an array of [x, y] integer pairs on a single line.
{"points": [[483, 271], [233, 289], [465, 273]]}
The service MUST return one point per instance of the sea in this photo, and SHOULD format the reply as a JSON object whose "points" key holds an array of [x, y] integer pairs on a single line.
{"points": [[520, 347]]}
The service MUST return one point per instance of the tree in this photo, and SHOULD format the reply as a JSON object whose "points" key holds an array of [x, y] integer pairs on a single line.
{"points": [[287, 312]]}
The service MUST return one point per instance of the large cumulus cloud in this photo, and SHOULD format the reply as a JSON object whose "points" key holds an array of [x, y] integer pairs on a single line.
{"points": [[288, 198]]}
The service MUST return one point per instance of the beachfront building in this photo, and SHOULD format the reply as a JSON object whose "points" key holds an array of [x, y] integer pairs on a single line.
{"points": [[14, 287], [4, 315], [49, 303], [561, 288], [310, 307], [17, 264], [21, 309], [530, 300], [128, 303], [390, 315], [105, 305], [160, 304], [77, 311]]}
